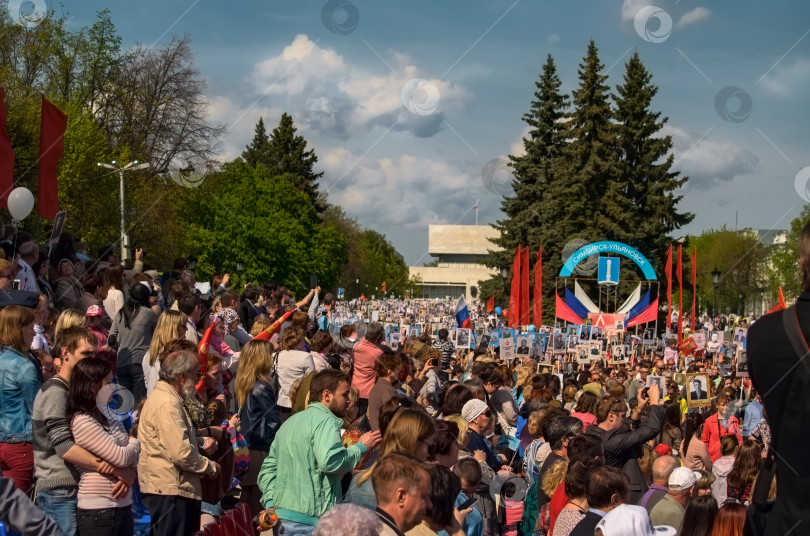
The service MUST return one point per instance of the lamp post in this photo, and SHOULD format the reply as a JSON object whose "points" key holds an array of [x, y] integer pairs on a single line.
{"points": [[115, 166], [742, 304], [715, 284]]}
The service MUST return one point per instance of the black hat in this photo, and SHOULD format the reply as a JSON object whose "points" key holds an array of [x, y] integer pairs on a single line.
{"points": [[18, 297]]}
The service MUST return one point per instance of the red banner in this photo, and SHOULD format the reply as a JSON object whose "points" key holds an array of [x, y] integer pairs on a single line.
{"points": [[565, 312], [668, 272], [525, 268], [694, 288], [491, 304], [51, 147], [537, 313], [6, 155], [514, 296], [650, 314], [680, 293]]}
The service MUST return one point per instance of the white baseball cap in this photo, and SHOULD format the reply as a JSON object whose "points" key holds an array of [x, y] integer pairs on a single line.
{"points": [[682, 478], [631, 520]]}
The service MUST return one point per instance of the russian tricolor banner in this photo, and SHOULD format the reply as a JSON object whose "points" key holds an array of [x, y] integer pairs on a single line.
{"points": [[462, 313]]}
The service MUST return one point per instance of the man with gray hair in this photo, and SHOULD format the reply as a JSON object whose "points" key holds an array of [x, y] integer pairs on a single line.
{"points": [[662, 468], [171, 464]]}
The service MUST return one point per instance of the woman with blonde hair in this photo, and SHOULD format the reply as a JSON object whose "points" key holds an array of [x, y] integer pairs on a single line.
{"points": [[410, 432], [68, 319], [19, 383], [171, 325], [257, 409]]}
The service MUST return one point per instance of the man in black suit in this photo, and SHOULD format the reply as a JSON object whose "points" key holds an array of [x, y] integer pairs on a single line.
{"points": [[783, 376], [622, 441], [697, 392], [606, 488]]}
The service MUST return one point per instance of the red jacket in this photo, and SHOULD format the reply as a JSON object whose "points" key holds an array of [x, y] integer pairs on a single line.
{"points": [[713, 432], [363, 375]]}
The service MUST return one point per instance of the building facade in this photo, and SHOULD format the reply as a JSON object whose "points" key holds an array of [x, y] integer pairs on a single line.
{"points": [[457, 251]]}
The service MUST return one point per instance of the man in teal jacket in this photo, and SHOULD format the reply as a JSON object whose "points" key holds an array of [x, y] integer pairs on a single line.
{"points": [[300, 478]]}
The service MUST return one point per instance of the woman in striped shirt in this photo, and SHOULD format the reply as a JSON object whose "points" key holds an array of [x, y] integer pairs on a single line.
{"points": [[97, 429]]}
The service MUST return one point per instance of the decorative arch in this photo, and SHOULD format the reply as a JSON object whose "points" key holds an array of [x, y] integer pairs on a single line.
{"points": [[609, 247]]}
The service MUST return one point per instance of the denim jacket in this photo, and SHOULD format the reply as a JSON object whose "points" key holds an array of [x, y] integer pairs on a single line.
{"points": [[19, 383]]}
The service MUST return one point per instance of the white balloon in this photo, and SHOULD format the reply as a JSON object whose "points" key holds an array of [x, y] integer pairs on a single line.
{"points": [[20, 203]]}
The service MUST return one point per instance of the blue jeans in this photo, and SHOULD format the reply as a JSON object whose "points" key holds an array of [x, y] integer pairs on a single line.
{"points": [[291, 528], [60, 505]]}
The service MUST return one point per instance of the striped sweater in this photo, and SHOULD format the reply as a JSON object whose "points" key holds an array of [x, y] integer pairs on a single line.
{"points": [[113, 446]]}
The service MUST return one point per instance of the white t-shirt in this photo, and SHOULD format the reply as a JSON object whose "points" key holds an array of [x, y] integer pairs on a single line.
{"points": [[292, 364]]}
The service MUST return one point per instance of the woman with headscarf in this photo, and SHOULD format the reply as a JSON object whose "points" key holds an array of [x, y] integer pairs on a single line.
{"points": [[132, 331], [67, 289]]}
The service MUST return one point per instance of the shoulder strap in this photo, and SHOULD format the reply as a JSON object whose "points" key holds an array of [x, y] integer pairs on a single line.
{"points": [[790, 320]]}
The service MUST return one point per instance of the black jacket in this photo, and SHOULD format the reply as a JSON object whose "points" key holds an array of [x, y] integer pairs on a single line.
{"points": [[587, 526], [260, 417], [622, 448], [784, 385]]}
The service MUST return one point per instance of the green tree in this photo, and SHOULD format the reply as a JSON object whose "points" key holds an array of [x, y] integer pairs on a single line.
{"points": [[742, 262], [370, 259], [288, 155], [279, 238], [258, 152], [647, 182], [784, 270]]}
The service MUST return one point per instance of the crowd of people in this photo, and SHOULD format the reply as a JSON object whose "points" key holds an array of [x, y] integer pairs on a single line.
{"points": [[129, 397]]}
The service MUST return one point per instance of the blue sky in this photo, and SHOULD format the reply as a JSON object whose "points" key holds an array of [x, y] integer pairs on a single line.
{"points": [[398, 171]]}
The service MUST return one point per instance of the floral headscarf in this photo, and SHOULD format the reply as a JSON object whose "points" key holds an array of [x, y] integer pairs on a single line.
{"points": [[228, 316]]}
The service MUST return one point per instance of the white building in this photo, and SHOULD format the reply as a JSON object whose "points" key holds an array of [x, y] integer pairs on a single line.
{"points": [[458, 250]]}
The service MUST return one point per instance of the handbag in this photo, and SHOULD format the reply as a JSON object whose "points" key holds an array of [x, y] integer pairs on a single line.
{"points": [[760, 507]]}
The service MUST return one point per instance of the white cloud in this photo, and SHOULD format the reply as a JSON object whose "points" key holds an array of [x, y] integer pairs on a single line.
{"points": [[707, 162], [631, 7], [324, 93], [553, 39], [696, 16], [406, 191], [239, 122], [517, 148], [790, 80]]}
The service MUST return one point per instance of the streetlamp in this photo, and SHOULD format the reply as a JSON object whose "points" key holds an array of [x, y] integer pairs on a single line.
{"points": [[505, 272], [715, 283], [239, 266], [742, 304], [132, 166]]}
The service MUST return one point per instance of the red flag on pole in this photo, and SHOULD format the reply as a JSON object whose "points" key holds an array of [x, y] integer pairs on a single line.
{"points": [[51, 147], [6, 155], [514, 296], [680, 293], [668, 272], [538, 288], [525, 268], [491, 304], [780, 305], [383, 286], [694, 288]]}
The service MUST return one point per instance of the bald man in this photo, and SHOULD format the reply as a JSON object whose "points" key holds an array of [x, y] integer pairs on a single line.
{"points": [[662, 468]]}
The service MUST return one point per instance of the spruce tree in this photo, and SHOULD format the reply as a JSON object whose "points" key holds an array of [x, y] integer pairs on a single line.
{"points": [[589, 170], [288, 155], [646, 163], [258, 151]]}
